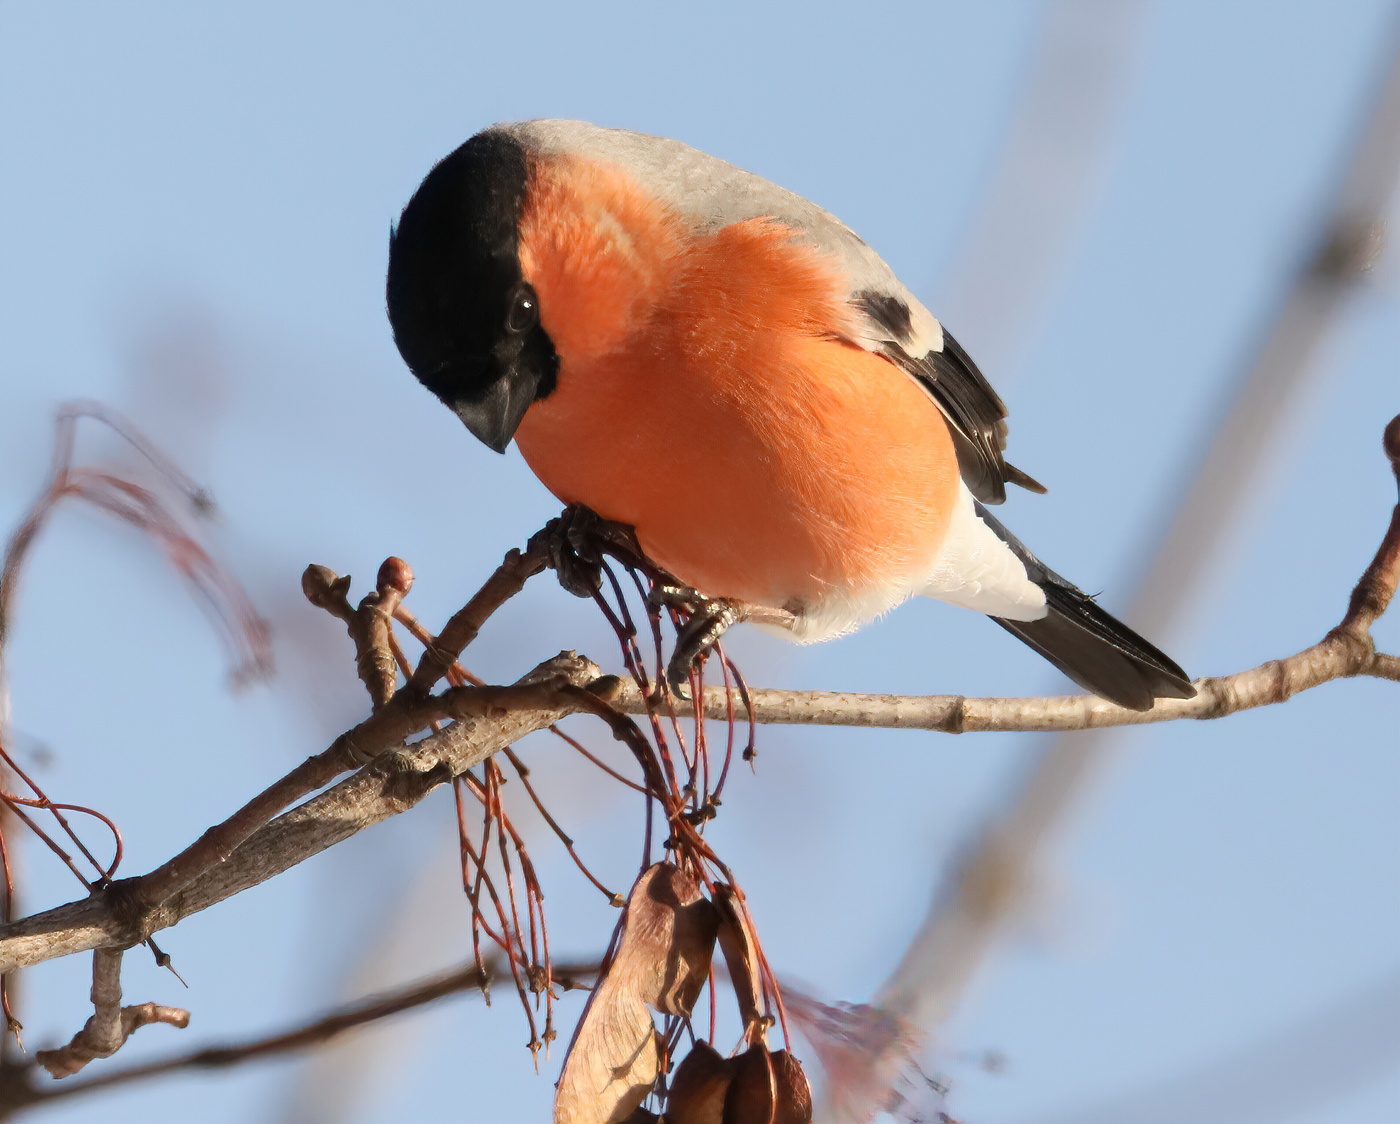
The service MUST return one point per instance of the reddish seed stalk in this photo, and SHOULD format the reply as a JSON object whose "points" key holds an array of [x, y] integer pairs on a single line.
{"points": [[527, 875], [506, 943], [47, 806], [7, 913], [52, 845], [631, 657], [524, 774], [710, 1038], [653, 615], [637, 665], [539, 954], [487, 820], [42, 801], [511, 925], [601, 764], [646, 834], [505, 834], [464, 848], [483, 876], [471, 857], [7, 906], [526, 946], [702, 748], [744, 697], [724, 667], [677, 620]]}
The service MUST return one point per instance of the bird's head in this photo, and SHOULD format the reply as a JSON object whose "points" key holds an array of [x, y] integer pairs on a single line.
{"points": [[465, 320]]}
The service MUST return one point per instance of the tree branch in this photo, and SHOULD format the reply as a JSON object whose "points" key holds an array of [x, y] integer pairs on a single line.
{"points": [[1336, 657], [393, 783], [1344, 653]]}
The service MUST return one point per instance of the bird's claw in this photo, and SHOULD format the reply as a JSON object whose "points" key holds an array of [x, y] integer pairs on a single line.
{"points": [[710, 620], [578, 539], [577, 543], [673, 595]]}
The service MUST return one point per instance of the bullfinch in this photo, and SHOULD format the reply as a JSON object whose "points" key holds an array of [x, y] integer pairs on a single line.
{"points": [[686, 348]]}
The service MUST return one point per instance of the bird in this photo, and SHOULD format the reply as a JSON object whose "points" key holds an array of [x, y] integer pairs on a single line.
{"points": [[688, 349]]}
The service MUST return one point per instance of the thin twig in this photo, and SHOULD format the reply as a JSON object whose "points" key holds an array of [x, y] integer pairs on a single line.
{"points": [[417, 994], [111, 1024], [523, 772], [510, 577]]}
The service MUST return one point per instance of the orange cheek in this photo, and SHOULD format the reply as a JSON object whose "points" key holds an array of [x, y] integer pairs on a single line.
{"points": [[597, 250], [588, 295]]}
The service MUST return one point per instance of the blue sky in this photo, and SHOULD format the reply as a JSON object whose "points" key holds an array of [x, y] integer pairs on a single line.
{"points": [[197, 202]]}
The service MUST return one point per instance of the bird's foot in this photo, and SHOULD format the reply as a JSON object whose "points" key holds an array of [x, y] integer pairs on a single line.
{"points": [[674, 595], [710, 619], [577, 542]]}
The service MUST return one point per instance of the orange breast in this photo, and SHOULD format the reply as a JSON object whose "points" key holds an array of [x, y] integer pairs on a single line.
{"points": [[705, 398]]}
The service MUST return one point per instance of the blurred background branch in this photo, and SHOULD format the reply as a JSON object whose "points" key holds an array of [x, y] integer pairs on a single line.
{"points": [[985, 885], [1299, 1068], [308, 1035], [1048, 175]]}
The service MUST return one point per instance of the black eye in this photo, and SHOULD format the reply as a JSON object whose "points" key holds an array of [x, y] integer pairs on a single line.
{"points": [[524, 311]]}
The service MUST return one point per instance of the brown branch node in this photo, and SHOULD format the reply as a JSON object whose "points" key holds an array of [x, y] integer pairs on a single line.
{"points": [[368, 625]]}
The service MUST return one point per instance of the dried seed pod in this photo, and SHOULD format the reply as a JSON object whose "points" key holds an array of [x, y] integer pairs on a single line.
{"points": [[678, 927], [768, 1089], [736, 940], [613, 1061], [662, 961], [698, 1087]]}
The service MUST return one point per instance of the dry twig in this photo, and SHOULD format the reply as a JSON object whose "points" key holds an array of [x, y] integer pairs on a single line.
{"points": [[1337, 656], [313, 1033], [111, 1024]]}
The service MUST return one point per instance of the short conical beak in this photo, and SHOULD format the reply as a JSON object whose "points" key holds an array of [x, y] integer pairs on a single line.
{"points": [[494, 417]]}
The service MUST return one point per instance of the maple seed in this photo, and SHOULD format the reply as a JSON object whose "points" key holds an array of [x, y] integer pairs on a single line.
{"points": [[698, 1087], [768, 1087], [662, 962]]}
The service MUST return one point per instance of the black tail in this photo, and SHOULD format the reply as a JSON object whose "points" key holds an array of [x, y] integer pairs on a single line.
{"points": [[1101, 654]]}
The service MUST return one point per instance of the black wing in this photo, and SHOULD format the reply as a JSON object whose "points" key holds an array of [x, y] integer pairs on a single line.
{"points": [[975, 412]]}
